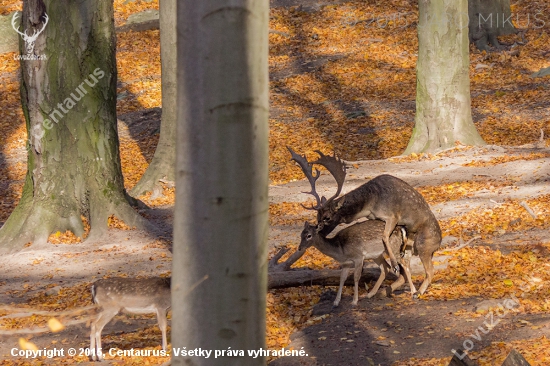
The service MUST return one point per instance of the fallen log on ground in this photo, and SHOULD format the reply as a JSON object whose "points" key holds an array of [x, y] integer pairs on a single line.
{"points": [[325, 277]]}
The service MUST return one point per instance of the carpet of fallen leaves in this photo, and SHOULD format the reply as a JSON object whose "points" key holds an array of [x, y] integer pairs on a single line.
{"points": [[505, 216], [341, 82], [535, 351], [523, 274], [507, 159]]}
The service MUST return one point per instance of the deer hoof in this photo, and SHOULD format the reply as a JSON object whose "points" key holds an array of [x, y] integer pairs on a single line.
{"points": [[415, 295], [396, 269]]}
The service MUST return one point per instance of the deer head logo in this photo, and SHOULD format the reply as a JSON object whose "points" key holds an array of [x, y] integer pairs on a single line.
{"points": [[29, 40]]}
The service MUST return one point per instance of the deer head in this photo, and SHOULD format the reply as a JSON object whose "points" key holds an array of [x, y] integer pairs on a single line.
{"points": [[29, 40]]}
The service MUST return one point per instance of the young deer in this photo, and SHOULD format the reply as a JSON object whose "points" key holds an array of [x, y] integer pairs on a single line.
{"points": [[385, 198], [130, 295], [351, 246]]}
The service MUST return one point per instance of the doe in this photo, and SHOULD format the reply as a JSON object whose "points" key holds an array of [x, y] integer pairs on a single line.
{"points": [[130, 295]]}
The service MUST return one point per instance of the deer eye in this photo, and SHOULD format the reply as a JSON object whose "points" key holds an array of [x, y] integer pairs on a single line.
{"points": [[309, 236]]}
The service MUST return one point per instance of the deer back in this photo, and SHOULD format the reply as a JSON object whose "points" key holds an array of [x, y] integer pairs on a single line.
{"points": [[132, 294], [363, 239], [366, 237], [382, 197]]}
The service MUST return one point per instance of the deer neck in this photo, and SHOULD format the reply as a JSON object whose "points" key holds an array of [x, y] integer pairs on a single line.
{"points": [[359, 203], [331, 247]]}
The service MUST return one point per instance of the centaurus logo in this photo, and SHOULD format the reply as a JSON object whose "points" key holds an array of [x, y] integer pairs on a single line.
{"points": [[29, 40]]}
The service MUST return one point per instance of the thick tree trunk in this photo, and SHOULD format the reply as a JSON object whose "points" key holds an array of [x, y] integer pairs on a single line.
{"points": [[325, 277], [443, 106], [220, 223], [163, 164], [69, 102], [488, 20]]}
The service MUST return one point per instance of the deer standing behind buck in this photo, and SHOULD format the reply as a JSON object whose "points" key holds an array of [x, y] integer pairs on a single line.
{"points": [[385, 198], [351, 246], [130, 295]]}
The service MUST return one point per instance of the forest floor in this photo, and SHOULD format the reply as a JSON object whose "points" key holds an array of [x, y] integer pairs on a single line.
{"points": [[338, 83]]}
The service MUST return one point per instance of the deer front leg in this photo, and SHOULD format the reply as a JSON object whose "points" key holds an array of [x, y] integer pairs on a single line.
{"points": [[390, 225], [343, 276], [356, 277], [382, 264]]}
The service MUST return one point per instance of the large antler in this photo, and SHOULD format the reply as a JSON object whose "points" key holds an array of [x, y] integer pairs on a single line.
{"points": [[308, 172], [336, 167]]}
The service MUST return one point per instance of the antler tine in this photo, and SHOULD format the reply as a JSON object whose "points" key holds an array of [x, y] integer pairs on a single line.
{"points": [[307, 168], [336, 167]]}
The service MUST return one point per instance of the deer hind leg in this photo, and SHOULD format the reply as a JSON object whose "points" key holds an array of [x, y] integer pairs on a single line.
{"points": [[388, 229], [163, 323], [343, 276], [426, 243], [406, 265], [97, 327], [92, 342], [383, 268], [356, 277], [426, 259]]}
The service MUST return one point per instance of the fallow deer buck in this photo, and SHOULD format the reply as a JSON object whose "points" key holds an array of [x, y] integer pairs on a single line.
{"points": [[385, 198], [351, 246], [130, 295]]}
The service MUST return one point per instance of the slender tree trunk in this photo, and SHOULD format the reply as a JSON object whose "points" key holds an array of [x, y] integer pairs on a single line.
{"points": [[163, 164], [69, 103], [443, 106], [488, 20], [220, 223]]}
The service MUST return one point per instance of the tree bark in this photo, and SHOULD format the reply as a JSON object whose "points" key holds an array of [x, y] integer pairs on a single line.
{"points": [[443, 106], [69, 103], [308, 277], [488, 20], [461, 359], [515, 358], [163, 164], [221, 211]]}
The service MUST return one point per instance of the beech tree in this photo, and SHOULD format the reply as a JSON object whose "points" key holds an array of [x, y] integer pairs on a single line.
{"points": [[443, 105], [220, 220], [163, 164], [68, 95]]}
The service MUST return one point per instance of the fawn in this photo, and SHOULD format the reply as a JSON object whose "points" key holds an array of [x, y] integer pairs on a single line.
{"points": [[130, 295], [351, 246], [385, 198]]}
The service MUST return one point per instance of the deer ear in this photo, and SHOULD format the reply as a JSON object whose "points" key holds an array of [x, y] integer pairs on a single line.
{"points": [[306, 225], [323, 200], [340, 202]]}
